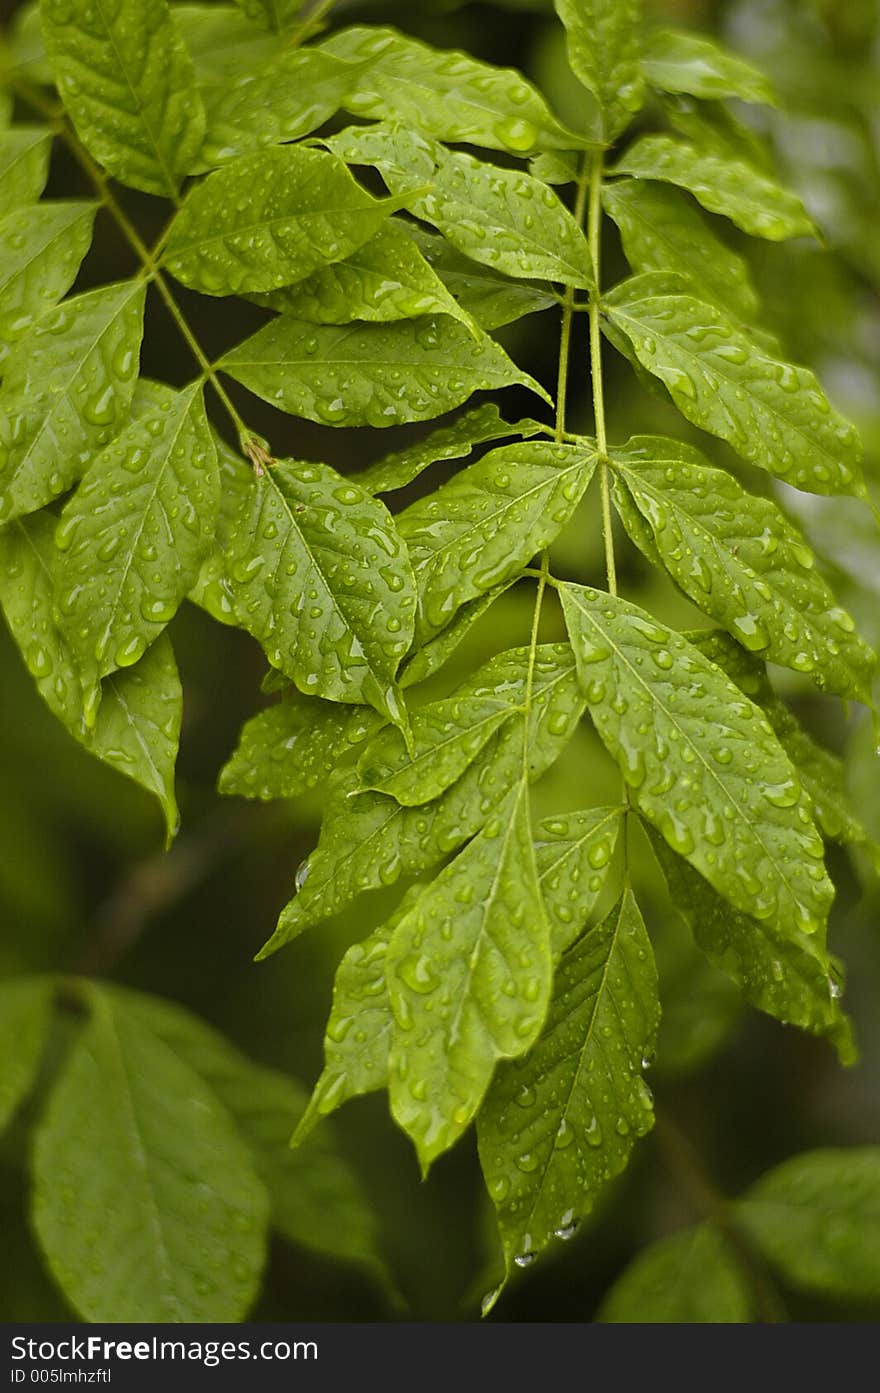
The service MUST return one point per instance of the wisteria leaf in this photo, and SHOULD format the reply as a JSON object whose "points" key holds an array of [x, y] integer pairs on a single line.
{"points": [[270, 219], [224, 44], [371, 375], [293, 746], [129, 86], [663, 231], [41, 249], [731, 187], [146, 510], [687, 1278], [490, 299], [469, 972], [320, 577], [740, 560], [702, 762], [603, 49], [675, 60], [774, 414], [558, 1124], [66, 392], [480, 529], [503, 218], [449, 94], [25, 1017], [271, 14], [369, 840], [24, 164], [574, 855], [476, 427]]}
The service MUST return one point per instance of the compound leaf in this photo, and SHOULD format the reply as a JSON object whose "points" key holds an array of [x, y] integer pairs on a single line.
{"points": [[449, 94], [558, 1124], [25, 1017], [161, 1156], [293, 746], [146, 511], [469, 972], [24, 165], [224, 44], [603, 49], [374, 375], [320, 577], [663, 231], [129, 87], [271, 14], [67, 390], [674, 60], [774, 414], [490, 299], [688, 1278], [701, 760], [269, 219], [817, 1219], [574, 855], [475, 427], [740, 560], [723, 184], [480, 529], [41, 249]]}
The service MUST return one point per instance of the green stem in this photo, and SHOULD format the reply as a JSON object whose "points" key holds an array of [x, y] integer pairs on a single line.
{"points": [[310, 24], [594, 235]]}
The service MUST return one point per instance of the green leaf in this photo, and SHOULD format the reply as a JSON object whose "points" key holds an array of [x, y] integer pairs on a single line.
{"points": [[269, 219], [475, 427], [445, 739], [740, 560], [41, 249], [137, 728], [557, 1125], [24, 49], [24, 164], [690, 1277], [469, 973], [662, 231], [482, 527], [701, 760], [153, 1212], [490, 300], [357, 1041], [603, 49], [375, 375], [272, 14], [384, 280], [320, 577], [138, 721], [225, 46], [503, 218], [574, 855], [787, 974], [702, 1006], [817, 1219], [731, 187], [425, 661], [66, 392], [213, 589], [146, 512], [368, 840], [129, 87], [292, 747], [449, 94], [284, 100], [25, 1018], [316, 1199], [675, 60], [774, 414]]}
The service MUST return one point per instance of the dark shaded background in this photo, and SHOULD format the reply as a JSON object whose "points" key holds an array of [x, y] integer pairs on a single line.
{"points": [[84, 885]]}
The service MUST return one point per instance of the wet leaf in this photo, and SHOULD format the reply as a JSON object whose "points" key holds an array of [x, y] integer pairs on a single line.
{"points": [[731, 187], [269, 219], [449, 94], [688, 1278], [225, 45], [25, 1016], [603, 49], [293, 746], [701, 761], [663, 231], [469, 973], [558, 1124], [320, 577], [158, 1144], [272, 14], [740, 560], [503, 218], [574, 855], [41, 249], [24, 165], [475, 427], [675, 60], [490, 299], [375, 375], [481, 528], [129, 87], [146, 510], [66, 392], [774, 414]]}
